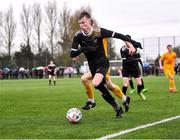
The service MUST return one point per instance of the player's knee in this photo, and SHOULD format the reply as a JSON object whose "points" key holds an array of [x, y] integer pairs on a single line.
{"points": [[171, 78], [110, 86], [95, 84], [139, 83], [84, 79], [126, 83]]}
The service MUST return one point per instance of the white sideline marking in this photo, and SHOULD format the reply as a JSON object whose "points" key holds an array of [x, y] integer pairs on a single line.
{"points": [[137, 128]]}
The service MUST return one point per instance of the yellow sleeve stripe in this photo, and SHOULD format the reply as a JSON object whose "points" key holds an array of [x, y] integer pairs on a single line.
{"points": [[105, 46]]}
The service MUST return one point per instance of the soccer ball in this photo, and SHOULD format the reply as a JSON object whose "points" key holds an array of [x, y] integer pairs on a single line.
{"points": [[74, 115]]}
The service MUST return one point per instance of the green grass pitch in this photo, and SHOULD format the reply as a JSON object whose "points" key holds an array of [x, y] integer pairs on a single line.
{"points": [[30, 109]]}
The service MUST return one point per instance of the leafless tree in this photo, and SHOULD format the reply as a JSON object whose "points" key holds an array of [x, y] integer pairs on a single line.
{"points": [[64, 23], [26, 21], [52, 16], [37, 22], [63, 37], [9, 27]]}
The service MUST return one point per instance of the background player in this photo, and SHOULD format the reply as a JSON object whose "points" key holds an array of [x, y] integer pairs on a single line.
{"points": [[139, 54], [130, 69], [51, 73], [169, 59]]}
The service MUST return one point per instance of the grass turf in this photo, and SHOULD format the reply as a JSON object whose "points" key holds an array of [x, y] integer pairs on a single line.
{"points": [[30, 109]]}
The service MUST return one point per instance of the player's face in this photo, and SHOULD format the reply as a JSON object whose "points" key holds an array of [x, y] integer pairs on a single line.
{"points": [[85, 24], [169, 48]]}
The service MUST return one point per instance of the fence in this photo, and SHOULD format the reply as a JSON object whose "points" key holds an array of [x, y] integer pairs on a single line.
{"points": [[154, 46]]}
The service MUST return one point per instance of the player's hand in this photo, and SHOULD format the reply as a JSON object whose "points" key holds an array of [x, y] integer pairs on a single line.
{"points": [[174, 65], [161, 68], [132, 50]]}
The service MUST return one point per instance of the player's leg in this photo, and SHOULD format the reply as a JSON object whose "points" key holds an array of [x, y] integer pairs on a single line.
{"points": [[54, 79], [144, 90], [50, 79], [125, 84], [125, 74], [99, 84], [131, 85], [86, 80], [114, 88], [141, 72], [117, 91], [172, 87], [136, 73], [169, 76], [139, 88]]}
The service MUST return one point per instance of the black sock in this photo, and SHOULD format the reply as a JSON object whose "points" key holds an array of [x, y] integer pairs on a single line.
{"points": [[124, 89], [142, 83], [131, 84], [107, 96], [139, 88], [49, 82], [54, 82]]}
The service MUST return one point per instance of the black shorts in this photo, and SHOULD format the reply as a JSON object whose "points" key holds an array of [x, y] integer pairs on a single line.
{"points": [[131, 69], [51, 73], [102, 68]]}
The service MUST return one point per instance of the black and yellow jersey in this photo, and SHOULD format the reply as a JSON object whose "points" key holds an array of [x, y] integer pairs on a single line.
{"points": [[92, 45]]}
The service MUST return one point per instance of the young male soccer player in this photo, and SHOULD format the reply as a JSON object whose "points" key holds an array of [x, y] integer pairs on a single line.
{"points": [[131, 68], [169, 59], [51, 72], [139, 54], [90, 41], [86, 80]]}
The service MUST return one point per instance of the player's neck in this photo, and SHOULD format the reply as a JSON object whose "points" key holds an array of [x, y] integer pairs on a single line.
{"points": [[88, 31], [169, 52]]}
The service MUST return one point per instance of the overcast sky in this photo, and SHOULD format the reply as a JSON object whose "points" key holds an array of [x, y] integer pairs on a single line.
{"points": [[140, 18]]}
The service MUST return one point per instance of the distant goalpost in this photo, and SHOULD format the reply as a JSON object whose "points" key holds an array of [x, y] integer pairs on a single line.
{"points": [[115, 68]]}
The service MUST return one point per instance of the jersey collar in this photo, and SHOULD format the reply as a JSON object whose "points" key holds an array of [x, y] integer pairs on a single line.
{"points": [[88, 33]]}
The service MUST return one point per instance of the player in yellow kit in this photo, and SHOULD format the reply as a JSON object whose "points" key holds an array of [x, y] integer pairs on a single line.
{"points": [[169, 59]]}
